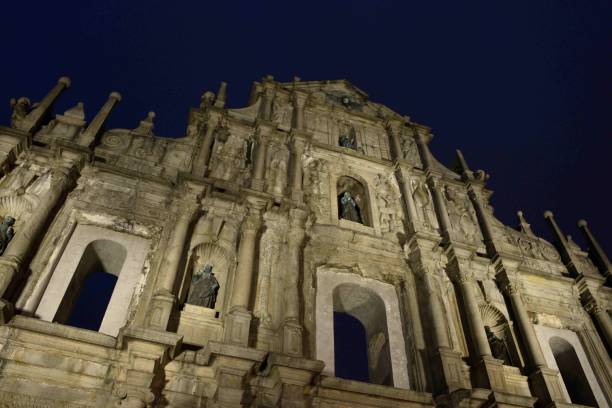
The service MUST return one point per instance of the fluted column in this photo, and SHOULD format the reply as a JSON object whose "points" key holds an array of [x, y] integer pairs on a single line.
{"points": [[170, 265], [21, 246], [257, 183], [246, 257], [601, 258], [238, 320], [296, 168], [89, 134], [33, 120], [201, 164], [164, 298], [292, 329]]}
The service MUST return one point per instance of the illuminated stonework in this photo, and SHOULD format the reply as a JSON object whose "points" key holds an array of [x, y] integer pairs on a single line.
{"points": [[309, 203]]}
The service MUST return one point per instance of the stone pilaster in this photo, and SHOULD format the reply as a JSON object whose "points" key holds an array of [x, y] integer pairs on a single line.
{"points": [[296, 167], [164, 298], [596, 251], [21, 246], [238, 320], [87, 137], [34, 119], [291, 326]]}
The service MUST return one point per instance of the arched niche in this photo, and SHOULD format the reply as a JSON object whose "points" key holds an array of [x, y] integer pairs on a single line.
{"points": [[220, 261], [93, 249], [500, 336], [572, 373], [349, 188], [366, 306], [343, 292]]}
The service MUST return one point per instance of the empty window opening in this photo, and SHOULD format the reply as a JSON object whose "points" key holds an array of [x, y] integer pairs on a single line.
{"points": [[572, 373], [353, 302], [350, 348], [88, 295]]}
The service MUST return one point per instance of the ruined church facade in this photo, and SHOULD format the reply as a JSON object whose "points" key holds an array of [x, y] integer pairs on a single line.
{"points": [[233, 253]]}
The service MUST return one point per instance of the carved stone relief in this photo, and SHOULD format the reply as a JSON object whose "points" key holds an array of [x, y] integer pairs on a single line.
{"points": [[278, 160], [230, 161], [316, 188], [389, 204], [424, 204], [462, 216]]}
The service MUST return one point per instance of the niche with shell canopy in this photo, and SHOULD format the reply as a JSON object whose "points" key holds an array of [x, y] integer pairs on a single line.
{"points": [[501, 336]]}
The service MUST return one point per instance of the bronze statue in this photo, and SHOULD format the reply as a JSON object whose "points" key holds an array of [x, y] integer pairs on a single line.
{"points": [[348, 208], [6, 232], [349, 140], [204, 288], [498, 346]]}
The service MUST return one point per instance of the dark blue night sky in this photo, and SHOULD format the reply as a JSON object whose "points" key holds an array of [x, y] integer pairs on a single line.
{"points": [[524, 88]]}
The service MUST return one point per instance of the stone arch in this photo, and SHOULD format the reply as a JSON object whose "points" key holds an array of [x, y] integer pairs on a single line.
{"points": [[384, 298], [358, 190], [87, 247], [571, 372], [366, 306]]}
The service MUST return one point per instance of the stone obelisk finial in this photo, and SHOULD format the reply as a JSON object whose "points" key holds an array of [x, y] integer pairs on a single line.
{"points": [[33, 120], [601, 259], [92, 131], [221, 95]]}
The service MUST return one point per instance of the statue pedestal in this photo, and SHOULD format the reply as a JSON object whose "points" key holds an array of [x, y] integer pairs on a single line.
{"points": [[199, 325], [292, 338], [238, 326]]}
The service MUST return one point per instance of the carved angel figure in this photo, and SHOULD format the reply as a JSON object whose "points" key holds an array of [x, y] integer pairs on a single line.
{"points": [[21, 107]]}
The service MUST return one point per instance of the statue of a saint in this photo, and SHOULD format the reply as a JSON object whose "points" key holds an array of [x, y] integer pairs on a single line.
{"points": [[204, 288], [498, 346], [348, 208], [6, 232], [21, 107], [349, 140]]}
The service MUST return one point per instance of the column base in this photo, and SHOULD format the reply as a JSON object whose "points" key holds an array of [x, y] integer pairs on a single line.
{"points": [[8, 270], [450, 375], [489, 373], [238, 326], [292, 338], [162, 306], [7, 311], [544, 384], [257, 184]]}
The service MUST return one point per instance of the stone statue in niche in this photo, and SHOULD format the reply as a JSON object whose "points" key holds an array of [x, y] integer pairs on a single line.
{"points": [[422, 201], [21, 107], [460, 214], [204, 288], [316, 187], [6, 232], [409, 149], [277, 172], [388, 208], [498, 346], [349, 140], [349, 209]]}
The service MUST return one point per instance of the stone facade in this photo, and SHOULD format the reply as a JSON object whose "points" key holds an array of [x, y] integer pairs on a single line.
{"points": [[309, 202]]}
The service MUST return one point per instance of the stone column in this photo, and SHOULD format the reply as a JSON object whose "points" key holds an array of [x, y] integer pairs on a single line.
{"points": [[33, 120], [29, 233], [440, 205], [221, 95], [164, 298], [525, 327], [603, 320], [259, 168], [89, 134], [296, 169], [420, 134], [299, 103], [201, 164], [403, 177], [393, 132], [292, 329], [473, 316], [597, 251], [237, 325]]}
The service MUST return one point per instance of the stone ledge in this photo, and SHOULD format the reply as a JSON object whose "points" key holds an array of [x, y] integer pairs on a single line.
{"points": [[375, 390], [60, 330]]}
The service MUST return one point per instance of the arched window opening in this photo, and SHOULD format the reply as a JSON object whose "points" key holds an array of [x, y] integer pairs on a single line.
{"points": [[367, 307], [352, 201], [350, 348], [89, 293], [572, 372]]}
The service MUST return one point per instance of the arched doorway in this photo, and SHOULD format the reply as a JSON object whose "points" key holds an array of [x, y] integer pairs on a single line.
{"points": [[572, 372]]}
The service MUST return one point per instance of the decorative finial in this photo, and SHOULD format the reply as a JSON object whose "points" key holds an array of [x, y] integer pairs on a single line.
{"points": [[115, 95], [548, 214], [76, 112], [221, 95], [65, 81], [146, 125], [524, 226], [582, 223]]}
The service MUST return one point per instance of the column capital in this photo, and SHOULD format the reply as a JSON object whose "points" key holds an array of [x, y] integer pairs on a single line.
{"points": [[252, 221]]}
